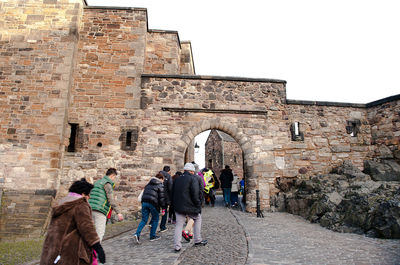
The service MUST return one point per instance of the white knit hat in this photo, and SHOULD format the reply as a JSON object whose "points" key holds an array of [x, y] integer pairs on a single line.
{"points": [[189, 167]]}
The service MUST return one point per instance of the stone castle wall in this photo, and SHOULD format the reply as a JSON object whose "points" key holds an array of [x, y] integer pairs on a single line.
{"points": [[384, 117], [234, 158], [186, 62], [162, 52], [268, 148], [214, 152], [38, 42], [64, 64]]}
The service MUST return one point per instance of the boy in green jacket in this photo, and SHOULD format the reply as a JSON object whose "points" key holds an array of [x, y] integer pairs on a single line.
{"points": [[102, 201]]}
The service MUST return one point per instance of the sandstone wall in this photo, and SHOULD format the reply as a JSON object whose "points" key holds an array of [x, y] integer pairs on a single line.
{"points": [[234, 158], [187, 62], [23, 213], [163, 51], [384, 117], [38, 42], [269, 150], [326, 141], [214, 152], [114, 49]]}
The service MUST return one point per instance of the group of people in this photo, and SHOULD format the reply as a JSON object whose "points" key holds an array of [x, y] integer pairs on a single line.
{"points": [[78, 220], [182, 195]]}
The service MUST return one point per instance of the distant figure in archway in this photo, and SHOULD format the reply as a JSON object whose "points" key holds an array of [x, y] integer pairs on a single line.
{"points": [[226, 179], [235, 191]]}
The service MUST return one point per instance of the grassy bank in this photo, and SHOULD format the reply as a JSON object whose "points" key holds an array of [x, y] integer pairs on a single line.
{"points": [[12, 253]]}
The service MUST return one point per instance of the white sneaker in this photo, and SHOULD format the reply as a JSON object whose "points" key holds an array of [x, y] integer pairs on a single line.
{"points": [[136, 238]]}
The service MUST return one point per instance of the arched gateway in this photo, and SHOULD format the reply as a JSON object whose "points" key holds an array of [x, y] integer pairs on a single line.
{"points": [[244, 108]]}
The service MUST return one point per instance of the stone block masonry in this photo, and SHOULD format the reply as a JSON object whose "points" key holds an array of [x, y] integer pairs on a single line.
{"points": [[38, 41], [23, 212]]}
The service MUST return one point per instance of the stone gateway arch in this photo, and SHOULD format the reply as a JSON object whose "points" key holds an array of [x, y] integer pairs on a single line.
{"points": [[238, 106], [86, 88]]}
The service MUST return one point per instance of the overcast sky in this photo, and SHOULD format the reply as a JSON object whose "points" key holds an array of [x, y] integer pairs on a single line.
{"points": [[342, 50]]}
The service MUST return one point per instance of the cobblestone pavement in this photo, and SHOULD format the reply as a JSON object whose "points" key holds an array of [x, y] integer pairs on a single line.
{"points": [[281, 238], [236, 237], [226, 243]]}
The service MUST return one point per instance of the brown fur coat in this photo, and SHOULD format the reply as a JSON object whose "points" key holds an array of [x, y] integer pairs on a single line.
{"points": [[71, 233]]}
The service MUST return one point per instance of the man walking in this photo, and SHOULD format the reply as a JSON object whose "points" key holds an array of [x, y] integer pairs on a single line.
{"points": [[226, 178], [102, 201], [186, 199], [166, 172]]}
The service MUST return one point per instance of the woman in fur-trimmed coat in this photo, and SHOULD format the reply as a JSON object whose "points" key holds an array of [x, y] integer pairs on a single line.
{"points": [[72, 236]]}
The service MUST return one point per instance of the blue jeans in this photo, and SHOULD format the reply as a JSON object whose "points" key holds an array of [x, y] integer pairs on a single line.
{"points": [[227, 196], [147, 209], [234, 197]]}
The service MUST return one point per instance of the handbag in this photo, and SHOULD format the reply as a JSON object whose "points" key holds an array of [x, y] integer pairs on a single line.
{"points": [[140, 196]]}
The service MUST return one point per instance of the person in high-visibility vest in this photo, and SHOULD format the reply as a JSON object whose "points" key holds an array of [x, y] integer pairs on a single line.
{"points": [[211, 184]]}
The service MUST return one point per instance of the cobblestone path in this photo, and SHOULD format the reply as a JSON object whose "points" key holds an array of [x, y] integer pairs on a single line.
{"points": [[236, 237], [282, 238], [226, 243]]}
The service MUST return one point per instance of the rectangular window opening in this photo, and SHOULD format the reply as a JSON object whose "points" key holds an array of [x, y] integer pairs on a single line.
{"points": [[73, 137], [295, 132], [296, 128], [353, 129], [129, 138]]}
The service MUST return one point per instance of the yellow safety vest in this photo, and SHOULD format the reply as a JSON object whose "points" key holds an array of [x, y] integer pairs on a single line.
{"points": [[208, 180]]}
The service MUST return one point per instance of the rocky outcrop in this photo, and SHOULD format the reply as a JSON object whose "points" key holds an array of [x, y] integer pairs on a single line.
{"points": [[385, 170], [347, 200]]}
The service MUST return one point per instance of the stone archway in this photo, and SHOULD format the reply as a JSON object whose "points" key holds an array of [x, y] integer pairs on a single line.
{"points": [[243, 141]]}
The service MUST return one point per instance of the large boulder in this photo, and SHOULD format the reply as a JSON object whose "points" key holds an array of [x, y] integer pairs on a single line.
{"points": [[382, 170]]}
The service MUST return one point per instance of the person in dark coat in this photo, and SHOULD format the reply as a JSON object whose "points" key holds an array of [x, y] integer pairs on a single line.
{"points": [[168, 193], [186, 199], [153, 199], [171, 213], [226, 179], [71, 236]]}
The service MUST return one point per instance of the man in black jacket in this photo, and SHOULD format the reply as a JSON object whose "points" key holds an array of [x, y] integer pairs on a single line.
{"points": [[186, 199], [226, 179], [168, 193]]}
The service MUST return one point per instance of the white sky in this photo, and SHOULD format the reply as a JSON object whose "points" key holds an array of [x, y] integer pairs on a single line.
{"points": [[342, 50]]}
